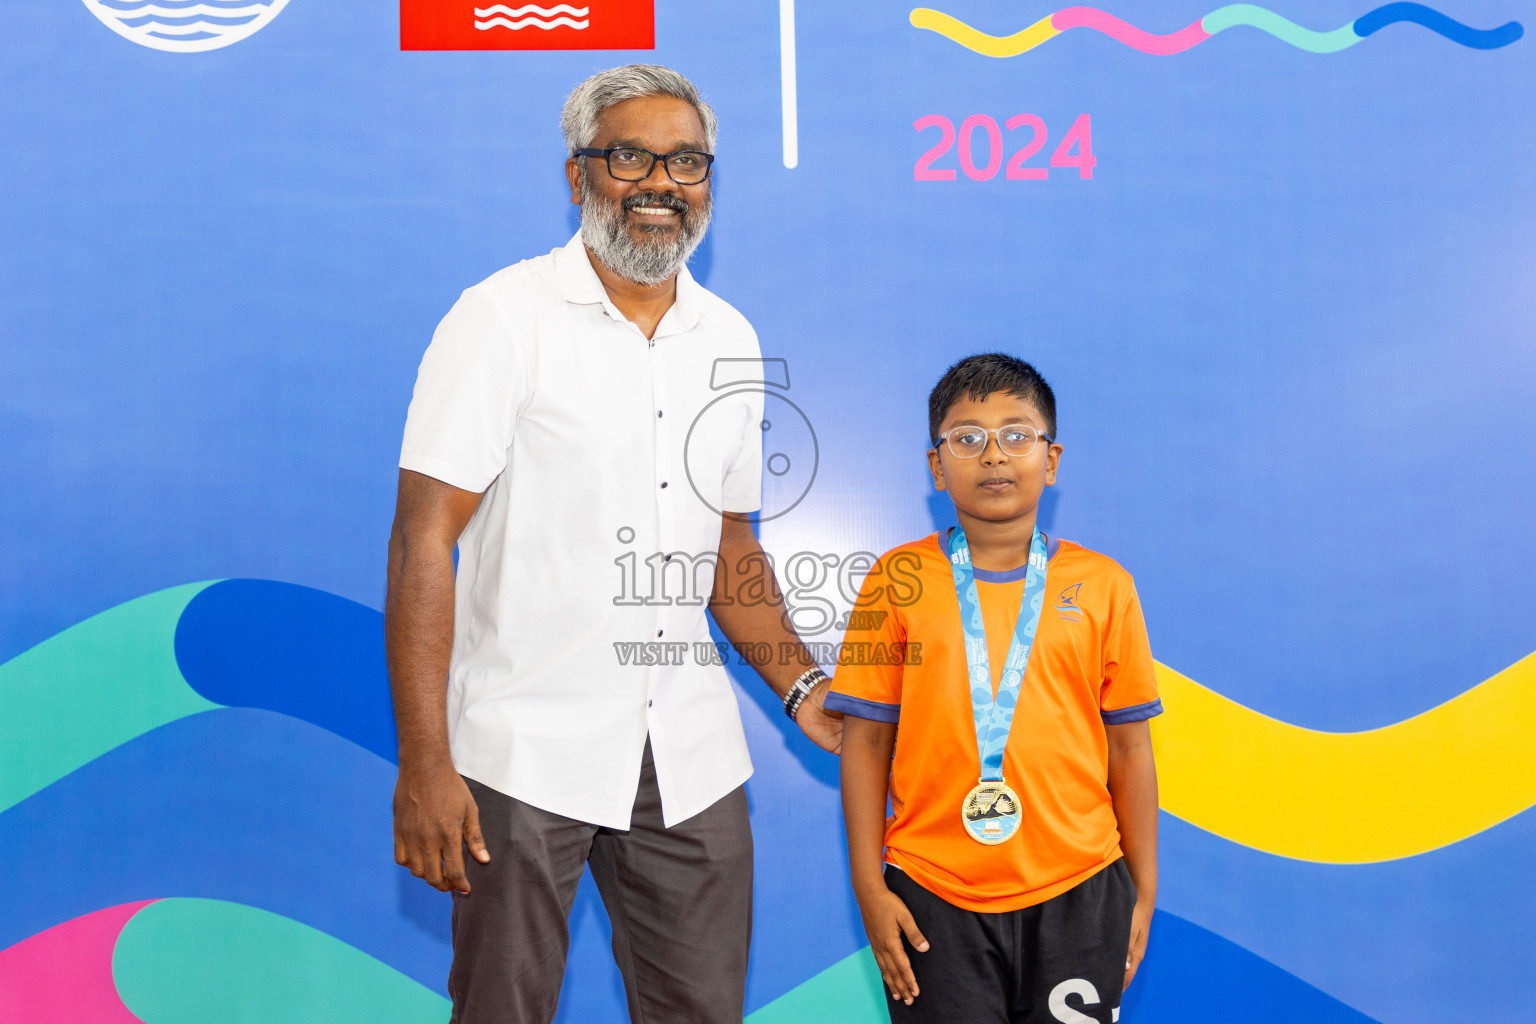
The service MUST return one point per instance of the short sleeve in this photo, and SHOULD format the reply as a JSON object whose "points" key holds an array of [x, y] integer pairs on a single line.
{"points": [[1129, 690], [742, 488], [868, 685], [468, 389]]}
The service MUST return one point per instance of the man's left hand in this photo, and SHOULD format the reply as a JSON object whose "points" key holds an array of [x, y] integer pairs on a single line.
{"points": [[825, 728]]}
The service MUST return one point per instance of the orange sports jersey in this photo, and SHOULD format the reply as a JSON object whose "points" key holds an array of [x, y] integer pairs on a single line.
{"points": [[1090, 665]]}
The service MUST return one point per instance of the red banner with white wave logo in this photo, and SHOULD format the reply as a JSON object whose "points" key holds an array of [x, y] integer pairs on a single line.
{"points": [[515, 25]]}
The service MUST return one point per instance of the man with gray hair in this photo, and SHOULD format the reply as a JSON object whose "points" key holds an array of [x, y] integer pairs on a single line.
{"points": [[551, 716]]}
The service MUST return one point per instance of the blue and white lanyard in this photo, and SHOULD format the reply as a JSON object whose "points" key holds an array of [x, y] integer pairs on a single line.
{"points": [[994, 716]]}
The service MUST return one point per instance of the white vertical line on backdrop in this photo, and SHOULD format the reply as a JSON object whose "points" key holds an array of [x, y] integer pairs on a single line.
{"points": [[787, 82]]}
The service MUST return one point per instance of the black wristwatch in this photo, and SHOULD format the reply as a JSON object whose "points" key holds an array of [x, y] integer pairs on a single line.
{"points": [[802, 689]]}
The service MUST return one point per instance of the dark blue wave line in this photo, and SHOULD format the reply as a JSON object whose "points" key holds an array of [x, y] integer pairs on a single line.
{"points": [[189, 37], [130, 6], [1455, 31], [152, 19], [290, 649]]}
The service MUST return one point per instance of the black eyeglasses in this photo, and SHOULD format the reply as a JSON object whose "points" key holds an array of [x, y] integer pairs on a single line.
{"points": [[627, 163]]}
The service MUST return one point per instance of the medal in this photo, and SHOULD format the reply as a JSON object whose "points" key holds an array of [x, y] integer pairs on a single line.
{"points": [[992, 812]]}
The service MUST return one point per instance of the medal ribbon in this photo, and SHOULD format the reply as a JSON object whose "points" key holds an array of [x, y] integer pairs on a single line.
{"points": [[994, 716]]}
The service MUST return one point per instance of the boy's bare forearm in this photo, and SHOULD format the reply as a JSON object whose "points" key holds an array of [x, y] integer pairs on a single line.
{"points": [[866, 773], [1133, 790]]}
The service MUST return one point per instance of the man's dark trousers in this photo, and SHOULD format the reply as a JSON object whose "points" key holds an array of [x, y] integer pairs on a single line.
{"points": [[679, 899]]}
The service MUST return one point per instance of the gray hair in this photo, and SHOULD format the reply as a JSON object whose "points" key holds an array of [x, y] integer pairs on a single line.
{"points": [[578, 120]]}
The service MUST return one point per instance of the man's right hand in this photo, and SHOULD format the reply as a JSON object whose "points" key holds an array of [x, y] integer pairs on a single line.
{"points": [[435, 817]]}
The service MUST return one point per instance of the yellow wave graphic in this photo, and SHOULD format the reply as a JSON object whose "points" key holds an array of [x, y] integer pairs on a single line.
{"points": [[974, 39], [1348, 798], [1341, 798]]}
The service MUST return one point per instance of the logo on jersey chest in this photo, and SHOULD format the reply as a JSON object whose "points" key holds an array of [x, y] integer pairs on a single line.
{"points": [[1066, 604]]}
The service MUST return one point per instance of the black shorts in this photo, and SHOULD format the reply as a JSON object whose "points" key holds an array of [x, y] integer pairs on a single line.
{"points": [[1059, 962]]}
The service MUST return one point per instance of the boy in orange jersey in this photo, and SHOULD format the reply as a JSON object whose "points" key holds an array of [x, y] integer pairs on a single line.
{"points": [[1015, 879]]}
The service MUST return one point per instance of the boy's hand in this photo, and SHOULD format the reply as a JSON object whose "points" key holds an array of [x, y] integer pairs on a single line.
{"points": [[886, 917], [1141, 923]]}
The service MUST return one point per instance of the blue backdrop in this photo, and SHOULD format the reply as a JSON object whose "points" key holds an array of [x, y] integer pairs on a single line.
{"points": [[1289, 321]]}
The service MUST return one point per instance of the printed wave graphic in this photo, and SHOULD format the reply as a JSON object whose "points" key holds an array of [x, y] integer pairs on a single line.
{"points": [[1190, 976], [229, 804], [531, 16], [544, 12], [207, 20], [213, 736], [1342, 798], [64, 974], [216, 797], [189, 961], [178, 7], [185, 26], [1230, 16], [1348, 798]]}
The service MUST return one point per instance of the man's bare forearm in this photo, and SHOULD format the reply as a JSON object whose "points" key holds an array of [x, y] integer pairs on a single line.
{"points": [[435, 815], [418, 642], [756, 629], [760, 625], [418, 613]]}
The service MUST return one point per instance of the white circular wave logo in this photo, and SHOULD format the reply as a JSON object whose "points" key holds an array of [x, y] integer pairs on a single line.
{"points": [[186, 26]]}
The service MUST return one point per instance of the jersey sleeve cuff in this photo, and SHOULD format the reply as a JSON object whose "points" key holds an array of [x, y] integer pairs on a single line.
{"points": [[858, 707], [1134, 713]]}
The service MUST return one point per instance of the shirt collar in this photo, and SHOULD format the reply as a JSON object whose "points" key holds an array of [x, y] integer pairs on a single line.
{"points": [[580, 284], [684, 314], [578, 281]]}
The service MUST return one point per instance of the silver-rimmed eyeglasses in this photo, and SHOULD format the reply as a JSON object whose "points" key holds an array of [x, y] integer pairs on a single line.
{"points": [[1016, 440], [630, 163]]}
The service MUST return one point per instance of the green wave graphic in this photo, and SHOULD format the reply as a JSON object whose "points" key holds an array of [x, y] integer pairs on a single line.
{"points": [[1340, 798], [848, 992], [91, 688], [197, 961], [1254, 16]]}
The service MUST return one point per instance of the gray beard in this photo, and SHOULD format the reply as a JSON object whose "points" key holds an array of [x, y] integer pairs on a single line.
{"points": [[648, 262]]}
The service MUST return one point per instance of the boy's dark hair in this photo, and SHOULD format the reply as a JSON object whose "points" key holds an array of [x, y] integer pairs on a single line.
{"points": [[976, 377]]}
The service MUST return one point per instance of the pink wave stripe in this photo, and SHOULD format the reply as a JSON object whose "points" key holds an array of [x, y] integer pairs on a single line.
{"points": [[64, 975], [1130, 35]]}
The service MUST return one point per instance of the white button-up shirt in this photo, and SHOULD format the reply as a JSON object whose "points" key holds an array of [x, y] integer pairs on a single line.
{"points": [[600, 455]]}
